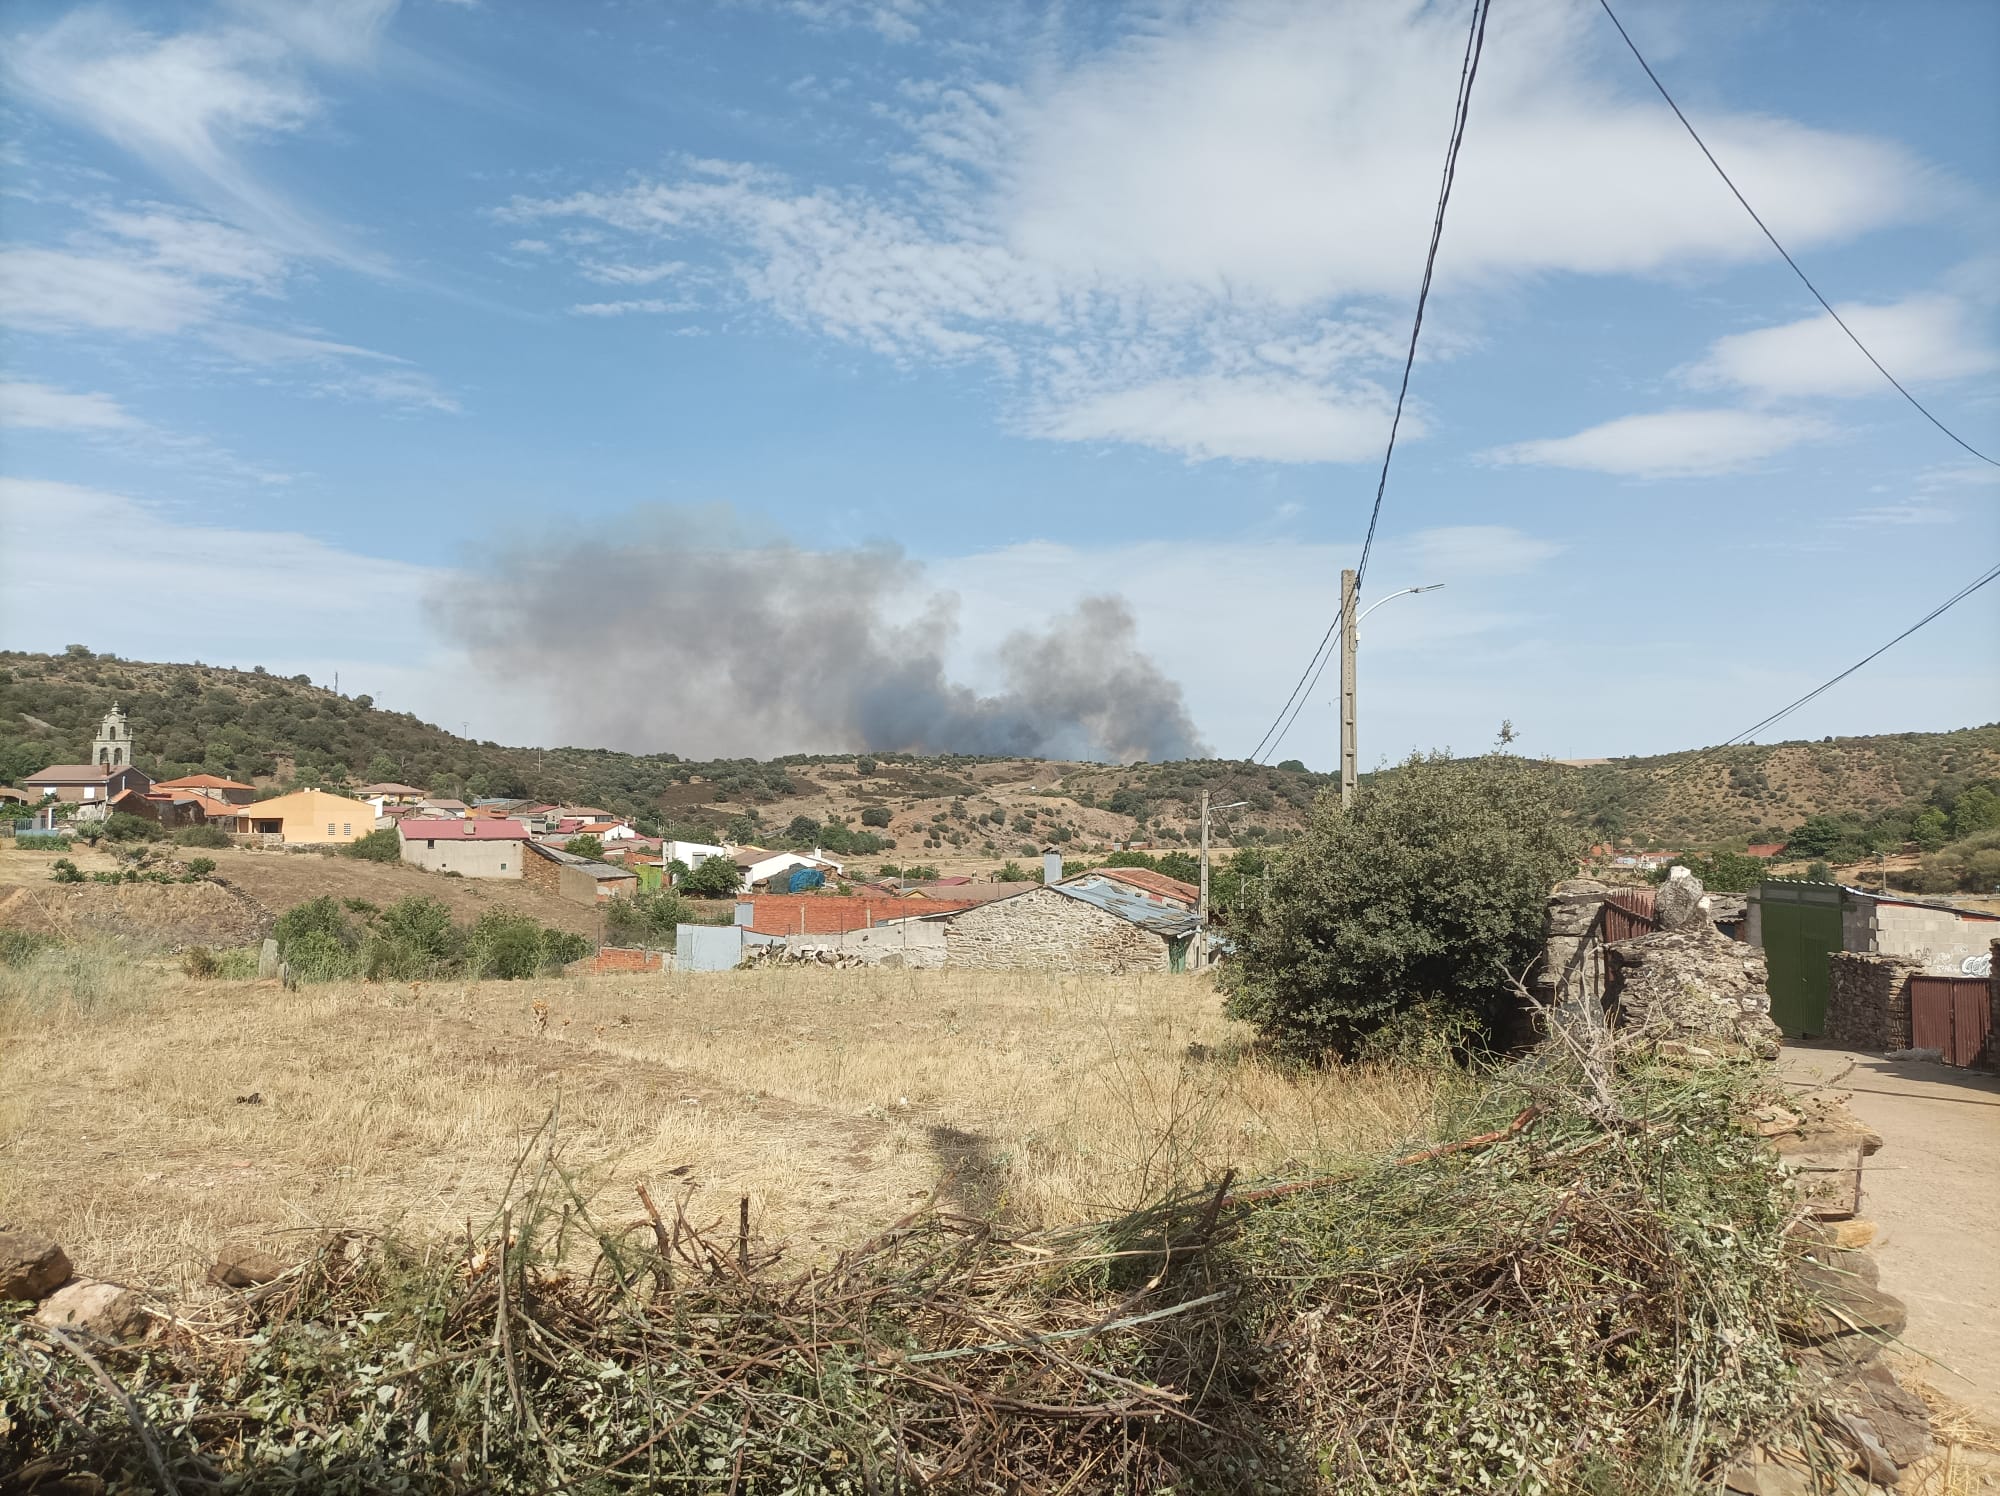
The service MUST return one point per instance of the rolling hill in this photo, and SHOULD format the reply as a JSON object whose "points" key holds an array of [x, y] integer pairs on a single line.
{"points": [[273, 730]]}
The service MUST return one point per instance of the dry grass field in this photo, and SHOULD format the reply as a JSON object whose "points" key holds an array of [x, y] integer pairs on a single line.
{"points": [[145, 1117]]}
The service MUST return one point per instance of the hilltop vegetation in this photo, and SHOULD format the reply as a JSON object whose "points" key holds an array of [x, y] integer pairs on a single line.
{"points": [[277, 731]]}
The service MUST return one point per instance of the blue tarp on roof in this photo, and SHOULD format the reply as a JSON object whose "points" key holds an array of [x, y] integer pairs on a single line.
{"points": [[804, 880]]}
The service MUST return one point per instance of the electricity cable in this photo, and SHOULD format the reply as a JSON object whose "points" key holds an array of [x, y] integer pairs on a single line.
{"points": [[1804, 279], [1468, 70], [1821, 689]]}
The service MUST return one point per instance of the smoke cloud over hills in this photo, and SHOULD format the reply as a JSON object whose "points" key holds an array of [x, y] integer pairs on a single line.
{"points": [[678, 630]]}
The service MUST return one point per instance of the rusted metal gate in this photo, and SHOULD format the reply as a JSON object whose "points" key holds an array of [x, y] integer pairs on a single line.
{"points": [[1627, 913], [1951, 1014]]}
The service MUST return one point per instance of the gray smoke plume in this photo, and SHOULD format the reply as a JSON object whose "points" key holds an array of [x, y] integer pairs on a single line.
{"points": [[676, 630]]}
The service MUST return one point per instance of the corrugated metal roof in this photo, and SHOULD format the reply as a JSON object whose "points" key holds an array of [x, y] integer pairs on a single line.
{"points": [[1130, 904], [1149, 880]]}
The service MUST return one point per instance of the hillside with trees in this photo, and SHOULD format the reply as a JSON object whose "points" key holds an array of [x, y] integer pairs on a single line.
{"points": [[1852, 794]]}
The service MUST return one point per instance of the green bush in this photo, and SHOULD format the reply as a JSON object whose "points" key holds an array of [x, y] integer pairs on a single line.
{"points": [[585, 844], [648, 917], [385, 845], [121, 827], [1725, 872], [42, 843], [507, 946], [1430, 892], [875, 815], [62, 870], [411, 940], [715, 878], [201, 836], [200, 867], [19, 947]]}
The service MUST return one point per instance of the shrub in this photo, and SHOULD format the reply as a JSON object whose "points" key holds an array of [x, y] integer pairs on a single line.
{"points": [[199, 961], [200, 867], [18, 947], [1430, 891], [43, 843], [585, 844], [1013, 872], [201, 836], [864, 765], [121, 827], [507, 946], [62, 870], [715, 878], [561, 947], [385, 845], [648, 917], [412, 938], [875, 815]]}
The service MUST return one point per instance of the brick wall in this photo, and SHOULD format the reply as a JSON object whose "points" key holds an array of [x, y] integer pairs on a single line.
{"points": [[622, 959], [830, 914], [1049, 931], [1868, 1000]]}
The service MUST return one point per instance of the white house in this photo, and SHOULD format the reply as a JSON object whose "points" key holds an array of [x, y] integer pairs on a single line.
{"points": [[693, 854], [756, 865]]}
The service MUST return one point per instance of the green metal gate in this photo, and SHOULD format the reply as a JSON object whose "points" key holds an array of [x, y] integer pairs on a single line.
{"points": [[1801, 928]]}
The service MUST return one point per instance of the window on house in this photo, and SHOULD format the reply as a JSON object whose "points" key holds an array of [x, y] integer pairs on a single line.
{"points": [[329, 828], [503, 867], [347, 828], [431, 846]]}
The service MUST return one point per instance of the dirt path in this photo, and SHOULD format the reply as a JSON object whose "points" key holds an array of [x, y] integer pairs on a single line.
{"points": [[1932, 1191]]}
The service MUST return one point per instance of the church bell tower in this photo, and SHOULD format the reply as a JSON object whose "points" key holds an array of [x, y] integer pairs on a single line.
{"points": [[113, 748]]}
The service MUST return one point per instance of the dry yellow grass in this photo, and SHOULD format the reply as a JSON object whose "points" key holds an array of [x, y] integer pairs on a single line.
{"points": [[834, 1099]]}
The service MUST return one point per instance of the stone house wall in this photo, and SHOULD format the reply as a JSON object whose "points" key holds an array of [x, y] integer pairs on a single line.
{"points": [[1868, 1000], [1049, 931], [541, 873]]}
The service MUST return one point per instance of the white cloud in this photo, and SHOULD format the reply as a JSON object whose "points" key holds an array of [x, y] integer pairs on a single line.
{"points": [[42, 407], [1478, 551], [1142, 237], [1669, 444], [630, 275], [643, 306], [260, 589], [52, 290], [1919, 340], [407, 388], [1271, 417]]}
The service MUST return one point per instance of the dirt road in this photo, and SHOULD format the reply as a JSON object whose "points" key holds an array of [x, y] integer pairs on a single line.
{"points": [[1932, 1191]]}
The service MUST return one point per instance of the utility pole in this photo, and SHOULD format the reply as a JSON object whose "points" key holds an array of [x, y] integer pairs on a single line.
{"points": [[1200, 949], [1201, 908], [1349, 595]]}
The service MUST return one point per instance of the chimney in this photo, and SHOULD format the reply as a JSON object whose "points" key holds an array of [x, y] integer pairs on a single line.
{"points": [[1051, 865], [465, 828]]}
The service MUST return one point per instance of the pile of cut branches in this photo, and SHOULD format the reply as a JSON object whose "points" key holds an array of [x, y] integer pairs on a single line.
{"points": [[1566, 1299]]}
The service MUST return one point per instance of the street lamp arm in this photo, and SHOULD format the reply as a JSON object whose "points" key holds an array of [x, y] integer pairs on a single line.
{"points": [[1407, 591]]}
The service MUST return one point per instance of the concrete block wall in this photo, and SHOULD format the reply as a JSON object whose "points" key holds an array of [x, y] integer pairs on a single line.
{"points": [[1868, 1000], [1939, 938]]}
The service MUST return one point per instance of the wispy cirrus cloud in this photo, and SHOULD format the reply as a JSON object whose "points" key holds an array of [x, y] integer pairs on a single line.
{"points": [[28, 406], [1140, 236]]}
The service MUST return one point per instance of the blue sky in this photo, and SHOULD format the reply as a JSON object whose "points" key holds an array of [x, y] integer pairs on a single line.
{"points": [[310, 309]]}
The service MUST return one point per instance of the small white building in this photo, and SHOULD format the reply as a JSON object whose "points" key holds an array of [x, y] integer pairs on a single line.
{"points": [[692, 854], [756, 865]]}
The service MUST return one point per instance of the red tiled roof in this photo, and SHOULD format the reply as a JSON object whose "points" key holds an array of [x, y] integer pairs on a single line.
{"points": [[456, 830], [835, 914], [201, 782], [388, 789], [1155, 883]]}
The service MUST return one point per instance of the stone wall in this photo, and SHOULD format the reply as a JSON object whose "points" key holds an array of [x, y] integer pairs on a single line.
{"points": [[1049, 931], [906, 942], [1572, 965], [1868, 1000], [1694, 986]]}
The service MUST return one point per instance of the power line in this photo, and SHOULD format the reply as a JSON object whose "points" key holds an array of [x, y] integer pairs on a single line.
{"points": [[1475, 43], [1821, 689], [1324, 659], [1803, 277], [1468, 70]]}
